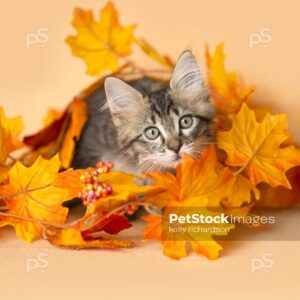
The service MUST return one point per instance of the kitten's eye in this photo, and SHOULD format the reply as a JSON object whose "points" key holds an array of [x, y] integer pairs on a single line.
{"points": [[186, 122], [152, 133]]}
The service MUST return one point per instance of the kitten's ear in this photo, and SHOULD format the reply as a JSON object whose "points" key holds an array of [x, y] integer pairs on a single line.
{"points": [[122, 99], [187, 75]]}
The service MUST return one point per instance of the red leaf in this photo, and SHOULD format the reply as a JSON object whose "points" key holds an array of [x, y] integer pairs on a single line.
{"points": [[112, 225], [46, 135]]}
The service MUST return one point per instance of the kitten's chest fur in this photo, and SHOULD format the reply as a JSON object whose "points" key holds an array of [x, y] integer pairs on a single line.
{"points": [[99, 137]]}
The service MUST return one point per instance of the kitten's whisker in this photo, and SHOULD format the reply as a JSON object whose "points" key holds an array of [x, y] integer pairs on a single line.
{"points": [[121, 156], [149, 169], [152, 163]]}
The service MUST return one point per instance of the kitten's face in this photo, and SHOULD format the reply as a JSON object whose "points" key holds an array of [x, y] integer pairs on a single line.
{"points": [[157, 129]]}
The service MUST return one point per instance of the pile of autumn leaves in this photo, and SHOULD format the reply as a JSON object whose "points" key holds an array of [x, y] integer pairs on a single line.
{"points": [[253, 162]]}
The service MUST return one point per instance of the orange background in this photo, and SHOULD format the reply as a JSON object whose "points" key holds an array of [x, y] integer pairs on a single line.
{"points": [[32, 79]]}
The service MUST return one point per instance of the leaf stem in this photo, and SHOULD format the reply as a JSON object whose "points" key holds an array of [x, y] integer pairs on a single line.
{"points": [[5, 196], [241, 169], [62, 226], [12, 158]]}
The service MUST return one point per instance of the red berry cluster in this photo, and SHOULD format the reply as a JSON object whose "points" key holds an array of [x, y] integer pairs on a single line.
{"points": [[131, 209], [94, 189]]}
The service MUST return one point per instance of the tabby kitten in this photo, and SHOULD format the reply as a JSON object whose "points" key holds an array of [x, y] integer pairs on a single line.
{"points": [[146, 125]]}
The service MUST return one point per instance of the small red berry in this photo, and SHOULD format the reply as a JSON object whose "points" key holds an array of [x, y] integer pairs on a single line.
{"points": [[110, 165], [100, 164], [109, 189]]}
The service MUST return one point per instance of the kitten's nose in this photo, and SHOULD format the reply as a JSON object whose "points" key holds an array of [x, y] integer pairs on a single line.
{"points": [[174, 146]]}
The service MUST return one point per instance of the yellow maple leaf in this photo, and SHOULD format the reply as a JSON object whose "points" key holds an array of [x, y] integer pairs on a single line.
{"points": [[257, 147], [100, 43], [10, 130], [226, 90], [30, 194]]}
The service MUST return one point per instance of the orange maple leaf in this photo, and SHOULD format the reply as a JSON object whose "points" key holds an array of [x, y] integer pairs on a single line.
{"points": [[198, 184], [241, 192], [30, 194], [175, 244], [191, 181], [153, 231], [70, 180], [79, 115], [71, 238], [226, 90], [257, 147], [281, 197], [100, 43]]}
